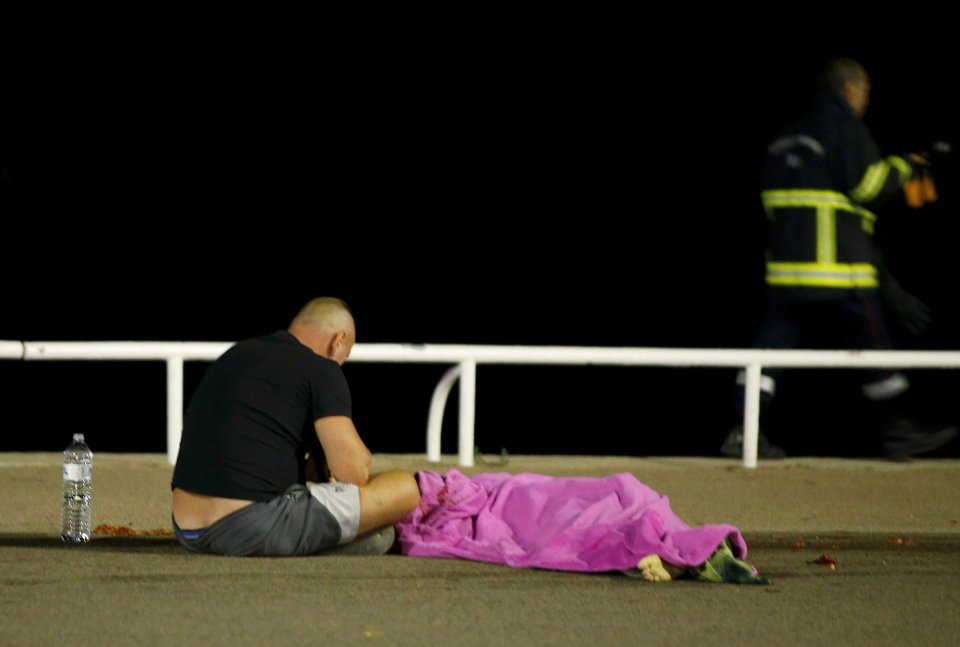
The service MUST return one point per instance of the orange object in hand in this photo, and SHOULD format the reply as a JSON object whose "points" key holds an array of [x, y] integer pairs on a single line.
{"points": [[913, 192], [920, 189]]}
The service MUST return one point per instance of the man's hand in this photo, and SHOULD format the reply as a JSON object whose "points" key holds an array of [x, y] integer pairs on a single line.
{"points": [[913, 313], [316, 468]]}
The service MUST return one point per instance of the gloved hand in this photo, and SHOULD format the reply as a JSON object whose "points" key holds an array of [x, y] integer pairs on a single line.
{"points": [[911, 311]]}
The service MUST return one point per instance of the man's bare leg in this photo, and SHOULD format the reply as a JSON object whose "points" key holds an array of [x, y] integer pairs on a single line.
{"points": [[387, 498]]}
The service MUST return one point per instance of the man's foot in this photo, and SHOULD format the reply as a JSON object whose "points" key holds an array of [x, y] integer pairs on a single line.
{"points": [[653, 569], [733, 446], [722, 566], [375, 542], [908, 441]]}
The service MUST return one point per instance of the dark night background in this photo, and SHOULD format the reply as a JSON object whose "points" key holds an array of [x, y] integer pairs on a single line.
{"points": [[578, 192]]}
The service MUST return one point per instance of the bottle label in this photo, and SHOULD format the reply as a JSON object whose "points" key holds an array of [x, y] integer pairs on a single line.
{"points": [[76, 472]]}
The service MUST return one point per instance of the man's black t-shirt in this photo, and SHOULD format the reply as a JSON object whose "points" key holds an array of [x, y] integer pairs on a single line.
{"points": [[250, 421]]}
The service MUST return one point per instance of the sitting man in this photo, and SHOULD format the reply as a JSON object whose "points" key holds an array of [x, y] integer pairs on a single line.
{"points": [[239, 485]]}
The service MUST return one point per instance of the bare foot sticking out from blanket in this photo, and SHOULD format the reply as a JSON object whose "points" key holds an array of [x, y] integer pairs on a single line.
{"points": [[653, 569]]}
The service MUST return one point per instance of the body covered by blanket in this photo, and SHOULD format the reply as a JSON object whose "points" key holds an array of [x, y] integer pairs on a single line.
{"points": [[562, 523]]}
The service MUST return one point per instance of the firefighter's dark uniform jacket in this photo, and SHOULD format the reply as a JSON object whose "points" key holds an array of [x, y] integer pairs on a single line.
{"points": [[821, 177]]}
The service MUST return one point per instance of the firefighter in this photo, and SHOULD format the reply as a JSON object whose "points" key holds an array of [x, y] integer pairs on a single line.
{"points": [[823, 177]]}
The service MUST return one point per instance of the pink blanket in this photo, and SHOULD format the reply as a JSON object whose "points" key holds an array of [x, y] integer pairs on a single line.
{"points": [[561, 523]]}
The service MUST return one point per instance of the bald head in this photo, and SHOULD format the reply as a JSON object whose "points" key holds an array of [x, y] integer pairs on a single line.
{"points": [[325, 326], [849, 79], [328, 313]]}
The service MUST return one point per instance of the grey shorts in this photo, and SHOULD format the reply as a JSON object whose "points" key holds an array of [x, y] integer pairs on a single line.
{"points": [[300, 521]]}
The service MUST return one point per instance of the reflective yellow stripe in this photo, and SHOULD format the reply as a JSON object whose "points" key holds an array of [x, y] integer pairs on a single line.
{"points": [[799, 198], [825, 271], [788, 266], [822, 282], [826, 235], [814, 199], [872, 182], [903, 167], [830, 275]]}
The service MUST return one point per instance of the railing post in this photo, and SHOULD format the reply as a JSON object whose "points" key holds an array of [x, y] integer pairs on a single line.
{"points": [[174, 407], [468, 397], [435, 418], [751, 415]]}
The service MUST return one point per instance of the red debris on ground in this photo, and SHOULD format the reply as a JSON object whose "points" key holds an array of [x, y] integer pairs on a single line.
{"points": [[127, 531], [825, 560]]}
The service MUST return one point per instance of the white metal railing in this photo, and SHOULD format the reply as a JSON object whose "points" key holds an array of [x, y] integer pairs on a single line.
{"points": [[466, 358]]}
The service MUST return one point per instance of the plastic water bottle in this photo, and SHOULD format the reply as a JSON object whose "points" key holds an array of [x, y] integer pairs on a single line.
{"points": [[77, 476]]}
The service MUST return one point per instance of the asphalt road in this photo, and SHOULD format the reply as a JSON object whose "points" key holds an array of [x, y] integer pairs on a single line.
{"points": [[890, 530]]}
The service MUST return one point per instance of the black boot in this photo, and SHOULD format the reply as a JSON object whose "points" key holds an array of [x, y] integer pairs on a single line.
{"points": [[903, 438], [733, 446]]}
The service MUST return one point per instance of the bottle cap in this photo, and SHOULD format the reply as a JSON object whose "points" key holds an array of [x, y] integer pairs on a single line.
{"points": [[78, 437]]}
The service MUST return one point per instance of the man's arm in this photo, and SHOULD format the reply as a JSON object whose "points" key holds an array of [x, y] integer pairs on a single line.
{"points": [[347, 456], [881, 180], [868, 178]]}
